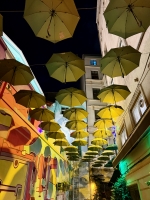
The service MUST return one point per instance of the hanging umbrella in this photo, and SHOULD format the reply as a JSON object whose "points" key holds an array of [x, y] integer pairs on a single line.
{"points": [[15, 72], [100, 162], [112, 147], [50, 126], [79, 134], [65, 67], [73, 159], [108, 153], [92, 152], [73, 156], [41, 114], [71, 97], [76, 125], [103, 123], [94, 148], [85, 160], [89, 156], [79, 142], [71, 149], [100, 133], [97, 165], [126, 18], [103, 158], [53, 20], [120, 61], [72, 153], [75, 114], [114, 93], [29, 98], [99, 141], [56, 135], [61, 142], [110, 112]]}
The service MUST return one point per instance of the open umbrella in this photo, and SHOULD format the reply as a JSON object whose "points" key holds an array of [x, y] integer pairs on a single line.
{"points": [[103, 123], [76, 125], [94, 148], [50, 126], [103, 158], [72, 153], [102, 133], [75, 114], [15, 72], [99, 141], [112, 147], [110, 112], [108, 153], [92, 152], [120, 61], [79, 134], [53, 20], [71, 97], [56, 135], [126, 18], [97, 165], [29, 98], [89, 156], [86, 160], [65, 67], [114, 93], [100, 161], [41, 114], [71, 149], [79, 142], [61, 142]]}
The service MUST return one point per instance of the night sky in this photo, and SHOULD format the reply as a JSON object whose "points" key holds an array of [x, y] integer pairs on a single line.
{"points": [[38, 51]]}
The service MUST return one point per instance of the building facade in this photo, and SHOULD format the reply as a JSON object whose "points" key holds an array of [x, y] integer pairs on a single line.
{"points": [[133, 126]]}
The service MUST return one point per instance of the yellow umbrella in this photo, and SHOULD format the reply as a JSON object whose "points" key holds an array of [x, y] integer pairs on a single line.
{"points": [[61, 142], [53, 20], [71, 149], [114, 93], [41, 114], [75, 114], [65, 67], [103, 158], [99, 141], [71, 97], [50, 126], [72, 153], [94, 148], [79, 142], [89, 156], [92, 152], [56, 135], [100, 161], [102, 133], [15, 72], [103, 123], [29, 98], [110, 112], [108, 153], [76, 125], [86, 160], [79, 134], [97, 165]]}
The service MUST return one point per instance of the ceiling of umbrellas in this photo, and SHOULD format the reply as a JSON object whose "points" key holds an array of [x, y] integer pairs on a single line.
{"points": [[56, 21]]}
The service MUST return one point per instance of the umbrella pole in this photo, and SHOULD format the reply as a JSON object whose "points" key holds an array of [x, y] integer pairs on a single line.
{"points": [[114, 96], [111, 116], [120, 67]]}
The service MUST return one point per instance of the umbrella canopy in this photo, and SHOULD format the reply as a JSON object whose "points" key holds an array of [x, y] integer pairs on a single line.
{"points": [[61, 142], [29, 98], [120, 61], [114, 93], [126, 18], [99, 141], [76, 125], [65, 67], [73, 159], [56, 135], [112, 147], [50, 126], [79, 134], [94, 148], [99, 161], [102, 133], [103, 158], [89, 156], [71, 149], [85, 160], [79, 142], [110, 112], [15, 72], [41, 114], [103, 123], [108, 153], [92, 152], [97, 165], [75, 114], [71, 97], [53, 20], [72, 153]]}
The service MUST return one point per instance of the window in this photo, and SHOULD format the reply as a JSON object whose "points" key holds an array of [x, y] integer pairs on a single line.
{"points": [[134, 192], [138, 108], [93, 62], [123, 135], [95, 92], [94, 75], [96, 116]]}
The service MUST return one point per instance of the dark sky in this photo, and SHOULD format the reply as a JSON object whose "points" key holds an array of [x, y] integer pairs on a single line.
{"points": [[38, 51]]}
